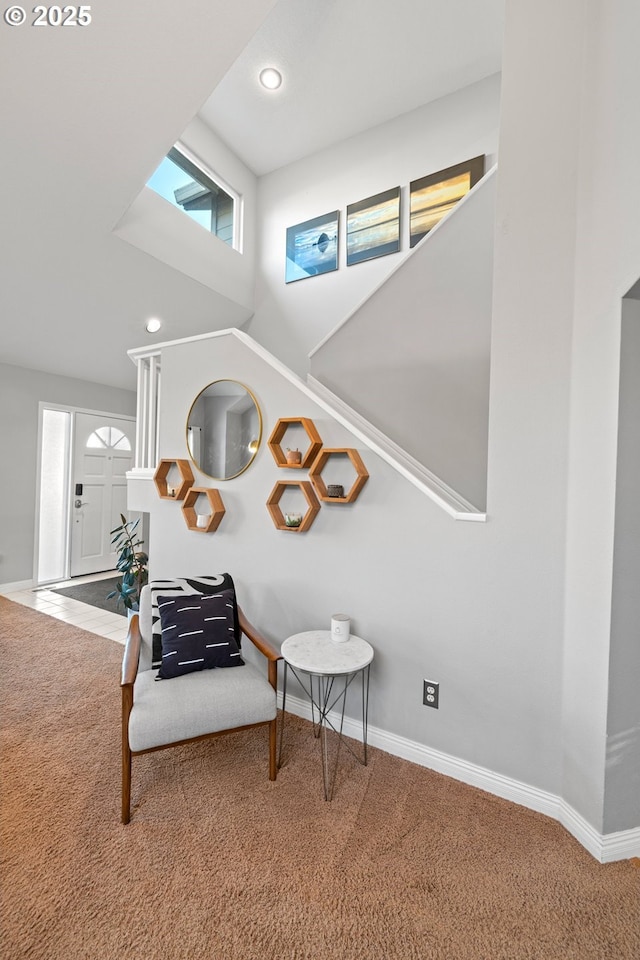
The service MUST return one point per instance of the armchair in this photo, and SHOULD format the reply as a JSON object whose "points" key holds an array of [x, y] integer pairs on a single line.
{"points": [[194, 706]]}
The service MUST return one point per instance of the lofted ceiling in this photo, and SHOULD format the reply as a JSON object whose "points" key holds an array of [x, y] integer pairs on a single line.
{"points": [[88, 113], [348, 65]]}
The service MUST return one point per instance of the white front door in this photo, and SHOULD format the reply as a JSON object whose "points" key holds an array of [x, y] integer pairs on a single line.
{"points": [[103, 452]]}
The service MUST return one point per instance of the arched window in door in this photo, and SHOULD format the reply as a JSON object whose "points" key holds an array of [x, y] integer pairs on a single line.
{"points": [[108, 438]]}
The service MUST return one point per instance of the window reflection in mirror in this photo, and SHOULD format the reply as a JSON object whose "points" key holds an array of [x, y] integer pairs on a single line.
{"points": [[224, 429]]}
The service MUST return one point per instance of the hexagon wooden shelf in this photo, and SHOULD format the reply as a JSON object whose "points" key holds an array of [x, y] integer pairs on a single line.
{"points": [[180, 489], [273, 505], [277, 435], [315, 474], [189, 511]]}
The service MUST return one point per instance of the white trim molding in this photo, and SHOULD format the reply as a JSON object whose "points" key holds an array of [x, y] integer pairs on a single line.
{"points": [[604, 847]]}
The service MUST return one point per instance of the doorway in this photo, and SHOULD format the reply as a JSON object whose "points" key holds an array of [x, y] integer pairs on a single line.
{"points": [[82, 490]]}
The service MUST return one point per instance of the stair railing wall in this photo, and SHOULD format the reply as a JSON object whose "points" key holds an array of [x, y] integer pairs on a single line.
{"points": [[413, 359]]}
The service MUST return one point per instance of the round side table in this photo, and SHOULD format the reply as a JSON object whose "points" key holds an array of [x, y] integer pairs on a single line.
{"points": [[330, 668]]}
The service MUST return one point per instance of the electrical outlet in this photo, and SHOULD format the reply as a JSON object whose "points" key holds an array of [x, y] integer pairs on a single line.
{"points": [[430, 693]]}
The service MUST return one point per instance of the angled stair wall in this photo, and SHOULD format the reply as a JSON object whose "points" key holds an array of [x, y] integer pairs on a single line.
{"points": [[413, 359]]}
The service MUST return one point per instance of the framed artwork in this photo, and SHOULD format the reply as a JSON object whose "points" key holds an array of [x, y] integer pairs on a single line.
{"points": [[433, 196], [373, 227], [312, 247]]}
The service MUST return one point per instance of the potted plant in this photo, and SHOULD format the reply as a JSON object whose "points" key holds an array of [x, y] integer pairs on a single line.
{"points": [[132, 564]]}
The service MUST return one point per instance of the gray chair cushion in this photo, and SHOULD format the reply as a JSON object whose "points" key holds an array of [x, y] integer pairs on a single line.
{"points": [[197, 704]]}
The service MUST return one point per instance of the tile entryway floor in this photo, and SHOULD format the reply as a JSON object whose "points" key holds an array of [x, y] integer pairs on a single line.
{"points": [[105, 624]]}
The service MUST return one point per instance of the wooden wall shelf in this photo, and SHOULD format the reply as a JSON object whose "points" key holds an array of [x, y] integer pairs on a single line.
{"points": [[162, 472], [273, 505], [315, 474], [216, 512], [277, 436]]}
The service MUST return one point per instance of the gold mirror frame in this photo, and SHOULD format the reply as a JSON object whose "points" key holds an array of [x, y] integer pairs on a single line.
{"points": [[240, 445]]}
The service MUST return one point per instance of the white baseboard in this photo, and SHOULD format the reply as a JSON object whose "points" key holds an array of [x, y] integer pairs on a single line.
{"points": [[620, 846], [604, 847], [16, 586]]}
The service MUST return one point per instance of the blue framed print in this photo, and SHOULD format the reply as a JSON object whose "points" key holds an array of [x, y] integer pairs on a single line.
{"points": [[312, 247]]}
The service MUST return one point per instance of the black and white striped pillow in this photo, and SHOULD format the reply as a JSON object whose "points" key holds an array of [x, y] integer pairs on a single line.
{"points": [[197, 633], [180, 587]]}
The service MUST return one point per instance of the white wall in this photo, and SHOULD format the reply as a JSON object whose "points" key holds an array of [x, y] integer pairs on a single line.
{"points": [[622, 784], [457, 602], [531, 337], [291, 319], [21, 391], [567, 249], [607, 264]]}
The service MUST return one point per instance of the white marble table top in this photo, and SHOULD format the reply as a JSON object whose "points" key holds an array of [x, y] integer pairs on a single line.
{"points": [[315, 652]]}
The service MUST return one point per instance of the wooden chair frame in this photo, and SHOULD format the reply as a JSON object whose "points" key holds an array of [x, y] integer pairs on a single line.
{"points": [[129, 673]]}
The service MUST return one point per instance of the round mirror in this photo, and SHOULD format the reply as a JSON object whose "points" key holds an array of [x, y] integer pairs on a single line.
{"points": [[224, 429]]}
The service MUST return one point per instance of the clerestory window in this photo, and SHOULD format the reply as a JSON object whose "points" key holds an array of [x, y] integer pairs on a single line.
{"points": [[181, 181]]}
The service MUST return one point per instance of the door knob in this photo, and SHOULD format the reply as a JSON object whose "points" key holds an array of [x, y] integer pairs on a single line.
{"points": [[80, 503]]}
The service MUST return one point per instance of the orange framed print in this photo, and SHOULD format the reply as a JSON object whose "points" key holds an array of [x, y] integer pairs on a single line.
{"points": [[434, 196]]}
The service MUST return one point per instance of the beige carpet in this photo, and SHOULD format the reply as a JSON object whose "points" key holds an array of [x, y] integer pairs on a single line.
{"points": [[219, 863]]}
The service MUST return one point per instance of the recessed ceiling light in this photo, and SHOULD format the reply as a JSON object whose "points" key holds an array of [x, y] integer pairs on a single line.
{"points": [[153, 325], [270, 78]]}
